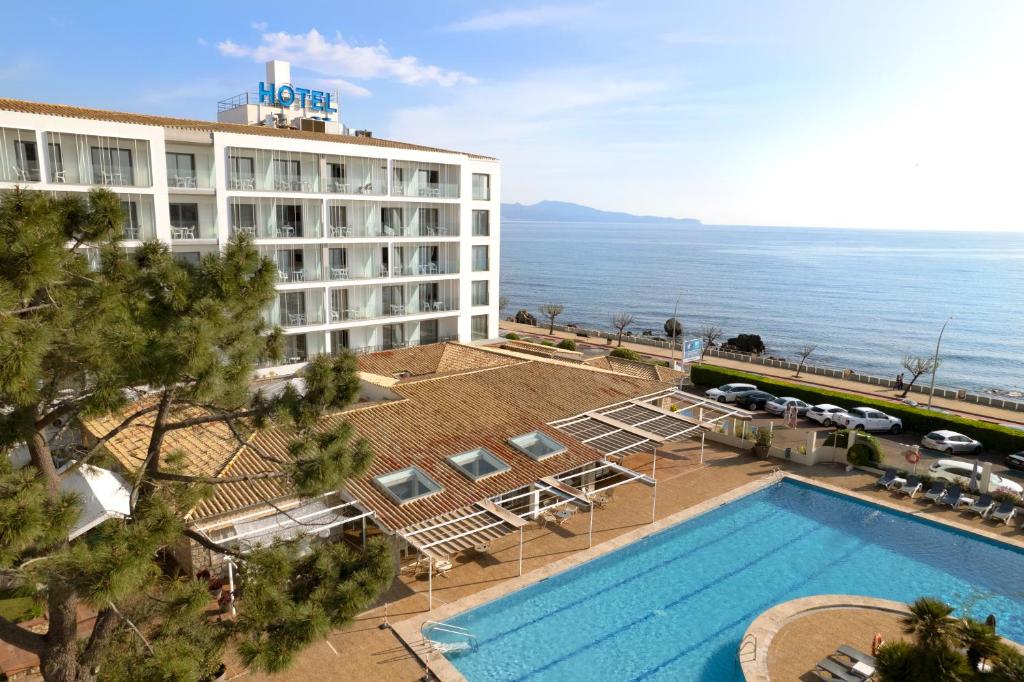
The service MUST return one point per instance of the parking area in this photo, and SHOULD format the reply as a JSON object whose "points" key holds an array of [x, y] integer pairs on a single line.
{"points": [[894, 446]]}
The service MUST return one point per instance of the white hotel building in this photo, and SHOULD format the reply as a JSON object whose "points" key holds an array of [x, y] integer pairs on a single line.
{"points": [[379, 244]]}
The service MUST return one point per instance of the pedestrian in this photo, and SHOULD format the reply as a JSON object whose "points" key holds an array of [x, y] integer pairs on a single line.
{"points": [[899, 381]]}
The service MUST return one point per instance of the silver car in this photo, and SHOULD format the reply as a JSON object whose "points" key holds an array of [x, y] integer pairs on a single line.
{"points": [[950, 442]]}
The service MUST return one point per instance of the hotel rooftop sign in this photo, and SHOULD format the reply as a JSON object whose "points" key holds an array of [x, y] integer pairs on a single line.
{"points": [[288, 95]]}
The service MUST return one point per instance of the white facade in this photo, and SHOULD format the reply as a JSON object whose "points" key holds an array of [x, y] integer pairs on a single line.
{"points": [[375, 244]]}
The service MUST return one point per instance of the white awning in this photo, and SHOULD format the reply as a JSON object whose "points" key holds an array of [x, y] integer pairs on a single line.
{"points": [[103, 494]]}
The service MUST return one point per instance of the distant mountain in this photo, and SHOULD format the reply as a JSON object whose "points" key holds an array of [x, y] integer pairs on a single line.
{"points": [[565, 212]]}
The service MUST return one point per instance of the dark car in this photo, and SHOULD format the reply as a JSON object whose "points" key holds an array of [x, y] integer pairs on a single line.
{"points": [[1015, 461], [754, 400]]}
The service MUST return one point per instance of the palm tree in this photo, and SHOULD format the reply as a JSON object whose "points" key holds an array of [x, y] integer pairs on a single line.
{"points": [[979, 638], [930, 623]]}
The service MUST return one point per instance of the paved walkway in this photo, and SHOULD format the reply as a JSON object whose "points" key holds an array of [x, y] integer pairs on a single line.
{"points": [[982, 412]]}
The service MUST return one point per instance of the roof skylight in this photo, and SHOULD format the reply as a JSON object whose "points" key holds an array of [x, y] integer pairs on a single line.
{"points": [[407, 485], [536, 445], [477, 464]]}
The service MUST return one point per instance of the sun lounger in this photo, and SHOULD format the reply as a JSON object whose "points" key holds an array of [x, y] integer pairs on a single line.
{"points": [[856, 655], [838, 672], [888, 479], [952, 497], [982, 506], [1004, 512], [911, 486], [935, 492]]}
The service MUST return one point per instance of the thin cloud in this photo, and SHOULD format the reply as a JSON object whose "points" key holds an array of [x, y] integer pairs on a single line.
{"points": [[689, 38], [20, 70], [517, 18], [345, 87], [259, 25], [202, 42], [339, 58]]}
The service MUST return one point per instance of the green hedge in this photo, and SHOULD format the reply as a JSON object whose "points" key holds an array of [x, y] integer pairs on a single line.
{"points": [[993, 436]]}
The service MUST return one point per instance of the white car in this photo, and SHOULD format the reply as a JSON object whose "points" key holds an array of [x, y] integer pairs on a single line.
{"points": [[950, 442], [727, 392], [869, 419], [825, 413], [955, 471], [779, 405]]}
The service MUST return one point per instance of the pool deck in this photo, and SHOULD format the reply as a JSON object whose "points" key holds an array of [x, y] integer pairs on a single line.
{"points": [[685, 488]]}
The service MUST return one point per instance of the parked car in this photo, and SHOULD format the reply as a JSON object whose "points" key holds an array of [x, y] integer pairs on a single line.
{"points": [[753, 400], [824, 413], [779, 405], [727, 393], [955, 471], [950, 442], [869, 419], [1015, 461]]}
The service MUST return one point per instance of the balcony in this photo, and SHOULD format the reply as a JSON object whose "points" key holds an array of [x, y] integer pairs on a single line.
{"points": [[189, 167], [428, 180], [192, 218], [347, 219], [355, 175], [19, 156], [272, 171], [269, 219], [387, 301], [139, 223], [95, 160]]}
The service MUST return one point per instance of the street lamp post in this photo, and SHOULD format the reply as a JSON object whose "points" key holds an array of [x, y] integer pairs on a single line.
{"points": [[935, 360], [672, 354]]}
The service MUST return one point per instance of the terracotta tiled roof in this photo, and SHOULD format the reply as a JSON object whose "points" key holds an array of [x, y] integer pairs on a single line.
{"points": [[69, 111], [420, 361], [641, 370], [205, 449]]}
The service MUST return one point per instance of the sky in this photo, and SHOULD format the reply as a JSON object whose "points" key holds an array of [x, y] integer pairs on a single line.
{"points": [[877, 114]]}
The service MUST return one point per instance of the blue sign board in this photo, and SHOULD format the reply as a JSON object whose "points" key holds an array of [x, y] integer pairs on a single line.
{"points": [[287, 95], [691, 349]]}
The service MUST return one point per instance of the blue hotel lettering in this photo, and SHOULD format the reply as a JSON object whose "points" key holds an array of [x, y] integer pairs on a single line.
{"points": [[286, 95]]}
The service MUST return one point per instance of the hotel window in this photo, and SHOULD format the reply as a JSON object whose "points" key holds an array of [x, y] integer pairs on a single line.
{"points": [[536, 445], [478, 463], [243, 217], [295, 348], [480, 293], [478, 327], [481, 223], [289, 265], [130, 228], [56, 163], [187, 257], [338, 261], [243, 168], [398, 181], [293, 308], [336, 171], [181, 169], [338, 216], [394, 336], [481, 259], [430, 221], [428, 332], [184, 216], [339, 341], [481, 187], [289, 215], [287, 170], [391, 220], [26, 160], [112, 166]]}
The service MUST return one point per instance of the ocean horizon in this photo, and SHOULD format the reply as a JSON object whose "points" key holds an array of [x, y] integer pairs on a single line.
{"points": [[865, 297]]}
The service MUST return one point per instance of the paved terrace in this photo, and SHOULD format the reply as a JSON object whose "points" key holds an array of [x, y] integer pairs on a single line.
{"points": [[984, 412], [365, 652]]}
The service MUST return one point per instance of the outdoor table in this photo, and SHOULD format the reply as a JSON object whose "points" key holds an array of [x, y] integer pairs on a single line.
{"points": [[863, 669]]}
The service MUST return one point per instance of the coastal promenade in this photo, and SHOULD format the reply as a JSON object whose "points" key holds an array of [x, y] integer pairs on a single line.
{"points": [[971, 410]]}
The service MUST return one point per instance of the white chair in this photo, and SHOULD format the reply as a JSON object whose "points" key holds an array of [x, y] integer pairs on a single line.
{"points": [[339, 273], [131, 232], [296, 318], [285, 231], [298, 276], [338, 231], [335, 316], [60, 176]]}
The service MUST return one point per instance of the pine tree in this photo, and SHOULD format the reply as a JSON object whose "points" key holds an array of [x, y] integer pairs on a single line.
{"points": [[82, 325]]}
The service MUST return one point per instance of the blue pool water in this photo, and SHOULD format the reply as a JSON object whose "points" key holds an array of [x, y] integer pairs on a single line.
{"points": [[674, 606]]}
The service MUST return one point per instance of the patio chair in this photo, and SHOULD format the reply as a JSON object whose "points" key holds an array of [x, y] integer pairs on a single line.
{"points": [[1004, 512], [953, 497], [982, 506], [837, 671], [937, 490], [856, 655], [911, 486], [888, 479]]}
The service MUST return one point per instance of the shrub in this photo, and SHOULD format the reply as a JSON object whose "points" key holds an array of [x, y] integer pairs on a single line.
{"points": [[1006, 496], [864, 454], [840, 436], [512, 336], [764, 437], [545, 342], [567, 344], [626, 354], [994, 436]]}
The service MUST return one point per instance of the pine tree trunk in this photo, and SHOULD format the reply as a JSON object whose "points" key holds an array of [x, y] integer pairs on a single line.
{"points": [[59, 660]]}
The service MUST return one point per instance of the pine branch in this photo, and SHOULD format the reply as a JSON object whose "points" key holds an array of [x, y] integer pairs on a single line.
{"points": [[132, 626], [198, 421], [210, 544], [128, 421], [102, 630], [15, 635], [215, 480]]}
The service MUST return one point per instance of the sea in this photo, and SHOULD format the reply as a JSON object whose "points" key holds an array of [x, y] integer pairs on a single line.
{"points": [[864, 298]]}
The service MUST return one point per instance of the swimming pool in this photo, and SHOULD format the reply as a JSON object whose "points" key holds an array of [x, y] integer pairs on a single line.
{"points": [[674, 606]]}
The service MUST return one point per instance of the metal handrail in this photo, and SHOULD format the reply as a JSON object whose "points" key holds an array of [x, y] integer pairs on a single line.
{"points": [[748, 639]]}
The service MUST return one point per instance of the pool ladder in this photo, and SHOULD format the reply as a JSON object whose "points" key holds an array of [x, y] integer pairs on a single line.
{"points": [[748, 648], [466, 643]]}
